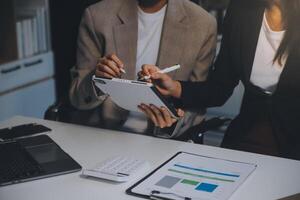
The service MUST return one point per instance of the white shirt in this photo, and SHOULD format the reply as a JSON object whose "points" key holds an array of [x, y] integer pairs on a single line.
{"points": [[265, 74], [149, 34]]}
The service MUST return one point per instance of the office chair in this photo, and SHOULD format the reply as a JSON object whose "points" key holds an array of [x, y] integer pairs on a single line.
{"points": [[65, 17]]}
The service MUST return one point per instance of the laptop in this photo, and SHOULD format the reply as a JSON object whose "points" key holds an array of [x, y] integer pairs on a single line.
{"points": [[293, 197], [33, 158]]}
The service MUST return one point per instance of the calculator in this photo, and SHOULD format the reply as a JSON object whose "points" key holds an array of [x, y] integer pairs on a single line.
{"points": [[118, 169]]}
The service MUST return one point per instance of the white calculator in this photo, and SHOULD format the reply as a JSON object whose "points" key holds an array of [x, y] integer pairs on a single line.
{"points": [[118, 169]]}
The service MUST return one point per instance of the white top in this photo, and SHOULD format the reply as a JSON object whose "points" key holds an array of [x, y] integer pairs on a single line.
{"points": [[265, 74], [149, 34], [274, 177]]}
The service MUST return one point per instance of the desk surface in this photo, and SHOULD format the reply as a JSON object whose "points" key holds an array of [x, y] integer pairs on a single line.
{"points": [[274, 177]]}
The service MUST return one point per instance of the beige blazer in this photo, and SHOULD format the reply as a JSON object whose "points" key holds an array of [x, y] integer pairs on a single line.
{"points": [[111, 26]]}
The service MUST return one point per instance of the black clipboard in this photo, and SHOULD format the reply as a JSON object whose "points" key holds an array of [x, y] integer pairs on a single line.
{"points": [[130, 192]]}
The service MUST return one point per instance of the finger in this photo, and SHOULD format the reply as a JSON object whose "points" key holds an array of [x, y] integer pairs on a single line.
{"points": [[112, 65], [159, 116], [115, 58], [166, 116], [141, 74], [160, 76], [180, 112], [174, 120], [106, 69], [146, 109], [141, 77], [103, 74], [149, 69]]}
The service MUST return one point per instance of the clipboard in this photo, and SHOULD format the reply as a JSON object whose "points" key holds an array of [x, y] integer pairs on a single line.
{"points": [[128, 94], [206, 186]]}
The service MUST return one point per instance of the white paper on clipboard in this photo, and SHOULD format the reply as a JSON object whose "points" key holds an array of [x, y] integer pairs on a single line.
{"points": [[128, 94], [194, 177]]}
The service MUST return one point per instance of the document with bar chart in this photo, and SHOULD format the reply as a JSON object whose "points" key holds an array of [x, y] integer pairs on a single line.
{"points": [[194, 177]]}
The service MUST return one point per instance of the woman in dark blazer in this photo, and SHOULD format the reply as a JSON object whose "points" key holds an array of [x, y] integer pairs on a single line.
{"points": [[269, 119]]}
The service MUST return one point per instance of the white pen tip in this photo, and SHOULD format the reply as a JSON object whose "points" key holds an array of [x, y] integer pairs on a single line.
{"points": [[122, 70]]}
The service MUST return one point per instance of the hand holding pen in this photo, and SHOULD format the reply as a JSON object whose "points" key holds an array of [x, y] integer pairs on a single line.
{"points": [[110, 66], [164, 71], [163, 82]]}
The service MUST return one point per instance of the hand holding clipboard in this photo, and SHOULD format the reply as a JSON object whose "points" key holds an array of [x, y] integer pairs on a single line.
{"points": [[159, 115]]}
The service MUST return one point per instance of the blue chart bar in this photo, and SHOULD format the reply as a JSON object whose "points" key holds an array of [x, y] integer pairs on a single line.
{"points": [[207, 171], [206, 187]]}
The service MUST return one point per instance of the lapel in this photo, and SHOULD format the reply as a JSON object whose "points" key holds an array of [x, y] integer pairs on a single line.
{"points": [[125, 36], [250, 33], [173, 35]]}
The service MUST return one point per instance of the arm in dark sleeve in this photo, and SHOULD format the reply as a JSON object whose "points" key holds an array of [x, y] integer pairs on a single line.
{"points": [[223, 77]]}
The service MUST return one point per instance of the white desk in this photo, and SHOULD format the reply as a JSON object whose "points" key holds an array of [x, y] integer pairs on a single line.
{"points": [[274, 177]]}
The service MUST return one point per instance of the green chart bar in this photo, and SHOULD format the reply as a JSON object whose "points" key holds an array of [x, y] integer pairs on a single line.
{"points": [[189, 182]]}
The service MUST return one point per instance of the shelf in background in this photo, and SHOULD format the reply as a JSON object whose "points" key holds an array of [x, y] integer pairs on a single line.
{"points": [[25, 71], [8, 43], [26, 31], [27, 86]]}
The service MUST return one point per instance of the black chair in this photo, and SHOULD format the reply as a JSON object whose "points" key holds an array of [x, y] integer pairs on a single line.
{"points": [[196, 133], [65, 18]]}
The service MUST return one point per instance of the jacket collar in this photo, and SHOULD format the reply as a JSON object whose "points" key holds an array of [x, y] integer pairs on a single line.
{"points": [[250, 33], [128, 11], [125, 35], [173, 35]]}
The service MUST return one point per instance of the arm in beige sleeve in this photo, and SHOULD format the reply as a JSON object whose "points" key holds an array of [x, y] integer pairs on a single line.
{"points": [[89, 48]]}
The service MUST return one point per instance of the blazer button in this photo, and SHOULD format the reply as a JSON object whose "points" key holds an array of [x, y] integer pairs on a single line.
{"points": [[88, 99]]}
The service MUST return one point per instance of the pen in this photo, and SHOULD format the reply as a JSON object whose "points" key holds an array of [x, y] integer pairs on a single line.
{"points": [[166, 70], [122, 70], [155, 195]]}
